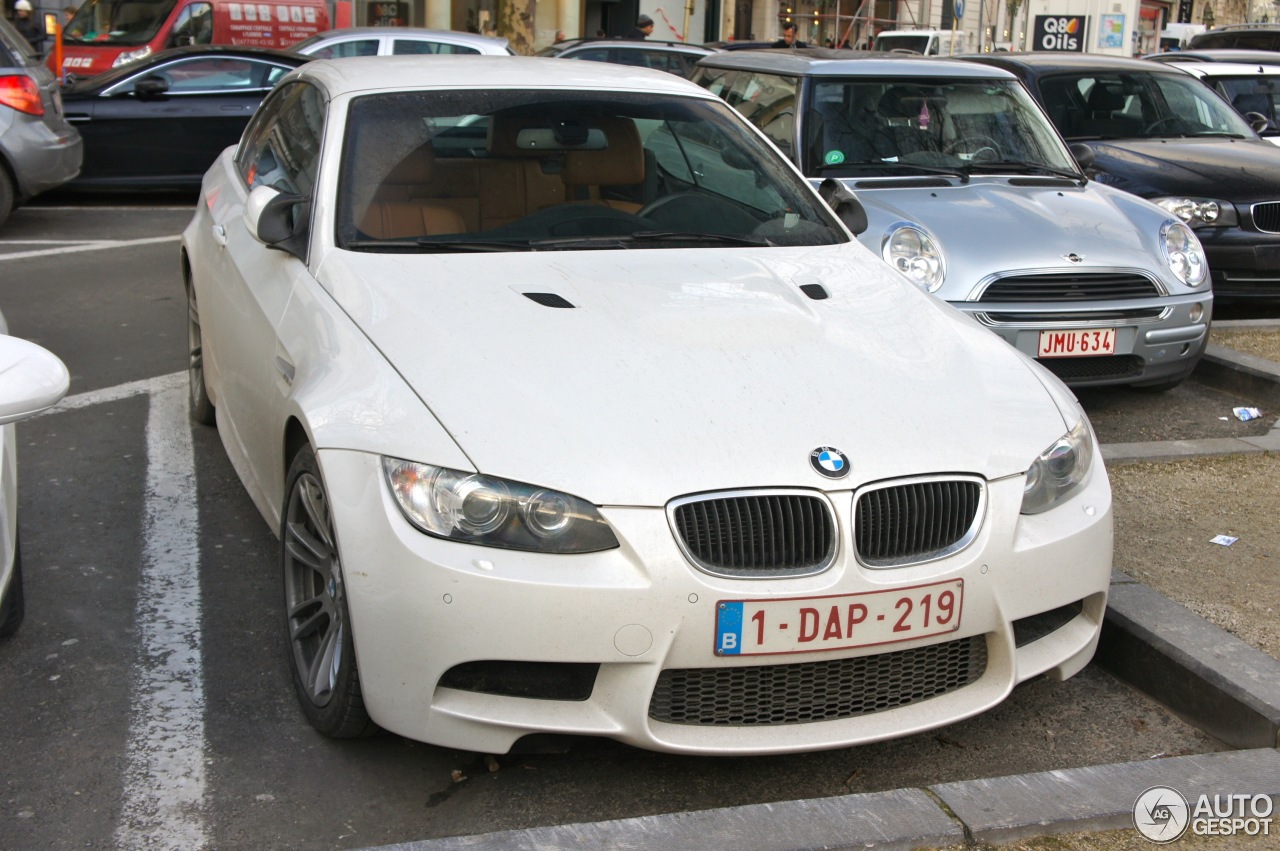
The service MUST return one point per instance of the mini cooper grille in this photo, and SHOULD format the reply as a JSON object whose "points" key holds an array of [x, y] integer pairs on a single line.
{"points": [[1095, 368], [916, 521], [764, 534], [806, 692], [1266, 216], [1082, 286]]}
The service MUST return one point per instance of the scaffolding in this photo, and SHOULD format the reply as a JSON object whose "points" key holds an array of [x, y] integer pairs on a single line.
{"points": [[855, 30]]}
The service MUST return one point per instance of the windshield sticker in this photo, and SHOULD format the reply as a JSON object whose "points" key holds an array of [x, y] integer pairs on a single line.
{"points": [[834, 157]]}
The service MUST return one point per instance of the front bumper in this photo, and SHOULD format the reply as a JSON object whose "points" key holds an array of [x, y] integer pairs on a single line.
{"points": [[421, 606], [1155, 341]]}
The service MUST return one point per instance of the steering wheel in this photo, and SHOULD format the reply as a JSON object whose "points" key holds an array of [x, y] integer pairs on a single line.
{"points": [[1160, 122], [698, 213], [979, 148]]}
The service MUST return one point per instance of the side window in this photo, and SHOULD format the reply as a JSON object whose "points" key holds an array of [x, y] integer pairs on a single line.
{"points": [[343, 49], [413, 47], [715, 80], [207, 74], [769, 102], [194, 25], [283, 148], [599, 55]]}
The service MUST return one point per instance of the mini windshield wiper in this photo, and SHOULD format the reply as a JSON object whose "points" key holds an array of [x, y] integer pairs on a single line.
{"points": [[641, 237], [431, 243], [1026, 168]]}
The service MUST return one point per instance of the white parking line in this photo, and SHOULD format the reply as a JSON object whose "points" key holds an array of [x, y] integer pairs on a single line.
{"points": [[120, 391], [165, 775], [94, 246]]}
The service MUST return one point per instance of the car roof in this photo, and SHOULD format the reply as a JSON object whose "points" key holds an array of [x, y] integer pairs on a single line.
{"points": [[1039, 63], [1229, 69], [1217, 54], [633, 43], [452, 36], [413, 73], [828, 62]]}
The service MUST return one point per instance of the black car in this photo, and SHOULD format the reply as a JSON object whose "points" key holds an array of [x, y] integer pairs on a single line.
{"points": [[1242, 36], [1226, 54], [159, 123], [1154, 130]]}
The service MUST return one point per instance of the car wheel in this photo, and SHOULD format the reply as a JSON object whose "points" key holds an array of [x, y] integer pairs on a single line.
{"points": [[202, 410], [321, 646], [13, 608], [6, 195]]}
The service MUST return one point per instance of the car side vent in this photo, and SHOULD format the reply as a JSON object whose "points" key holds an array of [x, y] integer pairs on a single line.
{"points": [[549, 299], [814, 291]]}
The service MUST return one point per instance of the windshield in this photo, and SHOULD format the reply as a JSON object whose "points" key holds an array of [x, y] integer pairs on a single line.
{"points": [[118, 22], [561, 170], [1137, 105], [1258, 93], [859, 127]]}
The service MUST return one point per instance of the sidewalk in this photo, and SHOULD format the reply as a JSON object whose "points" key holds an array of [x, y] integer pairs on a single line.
{"points": [[1218, 682]]}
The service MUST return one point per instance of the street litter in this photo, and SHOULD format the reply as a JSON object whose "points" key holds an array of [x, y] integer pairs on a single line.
{"points": [[1225, 540], [1246, 414]]}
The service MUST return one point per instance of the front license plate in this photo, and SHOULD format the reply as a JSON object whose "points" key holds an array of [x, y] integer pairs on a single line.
{"points": [[1066, 344], [810, 624]]}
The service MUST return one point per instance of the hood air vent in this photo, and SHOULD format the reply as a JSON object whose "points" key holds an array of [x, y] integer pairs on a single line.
{"points": [[549, 299], [814, 291]]}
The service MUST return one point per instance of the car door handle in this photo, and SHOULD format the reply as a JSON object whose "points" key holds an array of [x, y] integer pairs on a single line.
{"points": [[220, 235], [77, 119], [236, 108]]}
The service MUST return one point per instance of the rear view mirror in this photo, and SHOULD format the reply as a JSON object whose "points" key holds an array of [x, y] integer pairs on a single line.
{"points": [[845, 204], [1257, 121], [32, 379], [1083, 154]]}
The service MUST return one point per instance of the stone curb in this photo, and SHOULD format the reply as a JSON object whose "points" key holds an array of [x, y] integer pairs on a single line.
{"points": [[1220, 684], [996, 810]]}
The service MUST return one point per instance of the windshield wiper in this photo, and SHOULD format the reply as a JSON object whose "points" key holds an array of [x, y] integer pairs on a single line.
{"points": [[1027, 168], [427, 244], [949, 171], [644, 236]]}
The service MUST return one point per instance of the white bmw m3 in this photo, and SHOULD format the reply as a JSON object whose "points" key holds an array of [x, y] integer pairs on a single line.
{"points": [[577, 411]]}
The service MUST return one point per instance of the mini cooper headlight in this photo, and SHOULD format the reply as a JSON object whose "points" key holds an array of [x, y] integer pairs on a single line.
{"points": [[1201, 212], [914, 253], [494, 512], [1184, 254], [1059, 470]]}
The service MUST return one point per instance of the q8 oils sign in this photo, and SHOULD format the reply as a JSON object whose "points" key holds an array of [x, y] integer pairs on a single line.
{"points": [[1059, 32]]}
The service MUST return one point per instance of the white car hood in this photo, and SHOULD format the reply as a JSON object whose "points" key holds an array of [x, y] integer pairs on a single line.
{"points": [[989, 225], [680, 371]]}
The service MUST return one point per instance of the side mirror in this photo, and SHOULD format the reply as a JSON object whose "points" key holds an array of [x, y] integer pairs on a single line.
{"points": [[1257, 121], [151, 86], [277, 219], [1083, 154], [32, 379], [845, 204]]}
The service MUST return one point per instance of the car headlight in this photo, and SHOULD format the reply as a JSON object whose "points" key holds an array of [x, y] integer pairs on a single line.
{"points": [[495, 512], [914, 253], [1059, 470], [1184, 254], [131, 56], [1201, 212]]}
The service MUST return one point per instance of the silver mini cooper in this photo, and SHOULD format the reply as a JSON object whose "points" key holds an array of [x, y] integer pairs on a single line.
{"points": [[972, 194]]}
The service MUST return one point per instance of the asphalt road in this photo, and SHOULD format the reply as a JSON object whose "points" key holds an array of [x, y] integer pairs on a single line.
{"points": [[112, 738]]}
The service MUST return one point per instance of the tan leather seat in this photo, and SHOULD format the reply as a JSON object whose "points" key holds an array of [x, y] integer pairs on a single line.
{"points": [[619, 164], [398, 209]]}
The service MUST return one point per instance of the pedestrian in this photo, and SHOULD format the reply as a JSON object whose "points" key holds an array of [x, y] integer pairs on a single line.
{"points": [[789, 37], [68, 13], [559, 36], [642, 30], [26, 25]]}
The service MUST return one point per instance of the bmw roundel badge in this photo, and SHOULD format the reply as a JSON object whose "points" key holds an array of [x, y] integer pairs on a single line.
{"points": [[829, 462]]}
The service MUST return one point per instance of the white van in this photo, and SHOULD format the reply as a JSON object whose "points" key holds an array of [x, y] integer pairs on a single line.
{"points": [[924, 42], [1178, 36]]}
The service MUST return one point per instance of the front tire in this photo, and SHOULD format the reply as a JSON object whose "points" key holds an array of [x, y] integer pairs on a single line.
{"points": [[13, 609], [317, 623], [202, 410]]}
